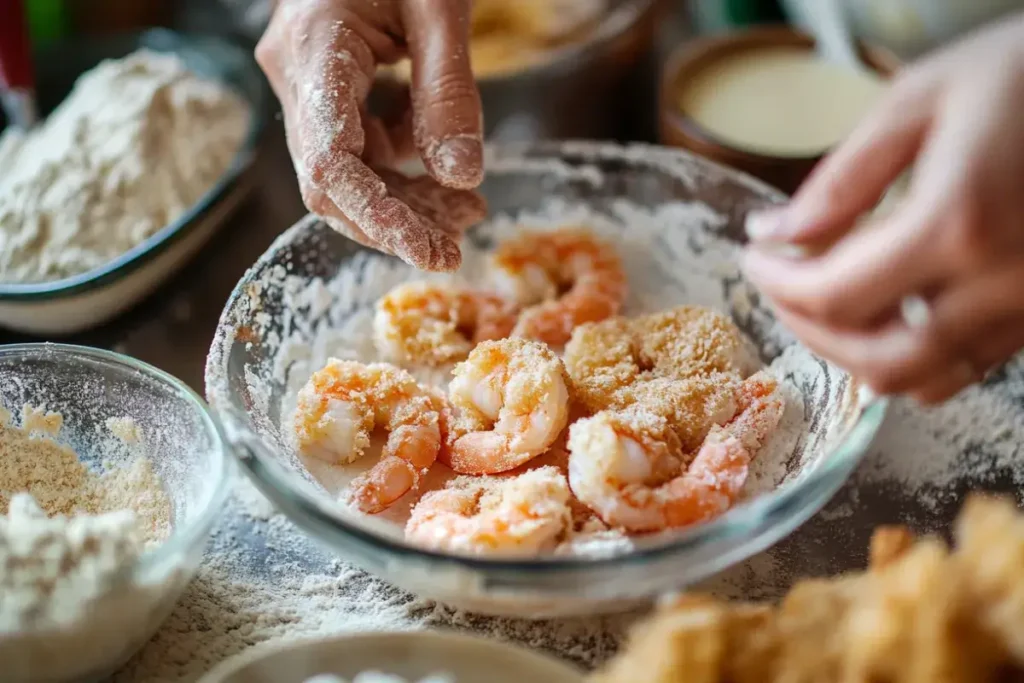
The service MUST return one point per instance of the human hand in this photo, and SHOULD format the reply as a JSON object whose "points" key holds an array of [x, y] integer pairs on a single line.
{"points": [[320, 57], [956, 240]]}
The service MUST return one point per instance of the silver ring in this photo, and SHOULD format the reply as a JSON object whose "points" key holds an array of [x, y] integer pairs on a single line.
{"points": [[916, 311]]}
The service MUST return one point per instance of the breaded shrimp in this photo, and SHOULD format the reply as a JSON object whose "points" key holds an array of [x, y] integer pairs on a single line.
{"points": [[513, 515], [436, 323], [339, 407], [604, 358], [566, 278], [629, 467], [510, 401]]}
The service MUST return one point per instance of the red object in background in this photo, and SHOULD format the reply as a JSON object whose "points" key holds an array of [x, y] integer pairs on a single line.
{"points": [[15, 49]]}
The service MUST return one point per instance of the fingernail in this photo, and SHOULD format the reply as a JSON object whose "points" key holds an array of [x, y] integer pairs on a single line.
{"points": [[765, 225], [458, 162]]}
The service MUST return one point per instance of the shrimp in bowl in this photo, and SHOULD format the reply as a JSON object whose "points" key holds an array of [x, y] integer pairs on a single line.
{"points": [[340, 406], [629, 465], [524, 514], [564, 278], [509, 402], [436, 323]]}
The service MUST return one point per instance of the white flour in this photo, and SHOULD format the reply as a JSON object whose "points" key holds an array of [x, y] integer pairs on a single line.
{"points": [[72, 599], [55, 568], [135, 145], [265, 581]]}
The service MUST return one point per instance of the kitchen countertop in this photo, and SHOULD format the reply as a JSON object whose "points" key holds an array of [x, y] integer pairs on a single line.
{"points": [[173, 329]]}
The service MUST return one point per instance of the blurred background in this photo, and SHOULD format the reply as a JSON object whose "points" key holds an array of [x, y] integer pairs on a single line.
{"points": [[624, 70]]}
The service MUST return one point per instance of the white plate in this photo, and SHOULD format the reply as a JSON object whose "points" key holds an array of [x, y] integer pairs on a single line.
{"points": [[412, 655]]}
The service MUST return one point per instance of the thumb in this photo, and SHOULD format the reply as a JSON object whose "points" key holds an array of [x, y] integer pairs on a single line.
{"points": [[447, 120]]}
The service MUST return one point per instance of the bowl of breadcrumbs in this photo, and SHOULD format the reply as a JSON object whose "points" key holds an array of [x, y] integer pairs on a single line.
{"points": [[111, 475]]}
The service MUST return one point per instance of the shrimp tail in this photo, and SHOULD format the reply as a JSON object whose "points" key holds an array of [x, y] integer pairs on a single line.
{"points": [[712, 484], [383, 484]]}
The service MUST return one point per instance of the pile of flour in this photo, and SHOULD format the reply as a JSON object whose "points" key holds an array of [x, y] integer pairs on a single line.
{"points": [[55, 568], [134, 146]]}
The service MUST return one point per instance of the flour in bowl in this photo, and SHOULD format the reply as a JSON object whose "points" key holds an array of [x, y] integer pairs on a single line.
{"points": [[70, 542], [134, 146]]}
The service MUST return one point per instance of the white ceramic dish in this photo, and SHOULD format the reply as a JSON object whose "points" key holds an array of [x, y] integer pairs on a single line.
{"points": [[77, 303], [412, 656]]}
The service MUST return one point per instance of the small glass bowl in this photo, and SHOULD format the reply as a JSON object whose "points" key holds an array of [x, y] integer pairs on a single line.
{"points": [[186, 450], [246, 387]]}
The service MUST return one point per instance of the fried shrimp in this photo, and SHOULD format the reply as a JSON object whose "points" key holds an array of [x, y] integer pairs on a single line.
{"points": [[518, 515], [436, 323], [628, 465], [605, 358], [565, 277], [343, 402], [510, 400]]}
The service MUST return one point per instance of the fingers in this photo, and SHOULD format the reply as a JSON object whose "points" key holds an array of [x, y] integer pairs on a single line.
{"points": [[987, 300], [998, 346], [334, 67], [993, 347], [946, 384], [362, 197], [378, 150], [851, 180], [315, 199], [857, 281], [451, 210], [447, 124], [891, 359]]}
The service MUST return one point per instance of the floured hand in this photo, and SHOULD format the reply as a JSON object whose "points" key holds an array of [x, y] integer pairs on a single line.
{"points": [[320, 57]]}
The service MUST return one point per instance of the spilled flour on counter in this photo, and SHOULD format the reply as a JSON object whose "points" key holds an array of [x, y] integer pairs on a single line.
{"points": [[264, 581], [134, 146]]}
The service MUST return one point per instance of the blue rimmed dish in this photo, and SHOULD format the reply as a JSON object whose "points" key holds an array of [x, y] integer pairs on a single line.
{"points": [[82, 301]]}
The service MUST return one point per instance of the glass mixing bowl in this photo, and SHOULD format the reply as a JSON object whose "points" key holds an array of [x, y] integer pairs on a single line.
{"points": [[185, 448], [247, 374]]}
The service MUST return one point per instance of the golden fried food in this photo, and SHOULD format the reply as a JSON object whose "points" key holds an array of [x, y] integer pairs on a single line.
{"points": [[922, 613]]}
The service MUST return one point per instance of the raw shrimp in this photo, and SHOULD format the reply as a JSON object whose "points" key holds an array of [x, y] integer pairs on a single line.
{"points": [[604, 358], [510, 401], [628, 465], [512, 515], [436, 323], [342, 403], [566, 277]]}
